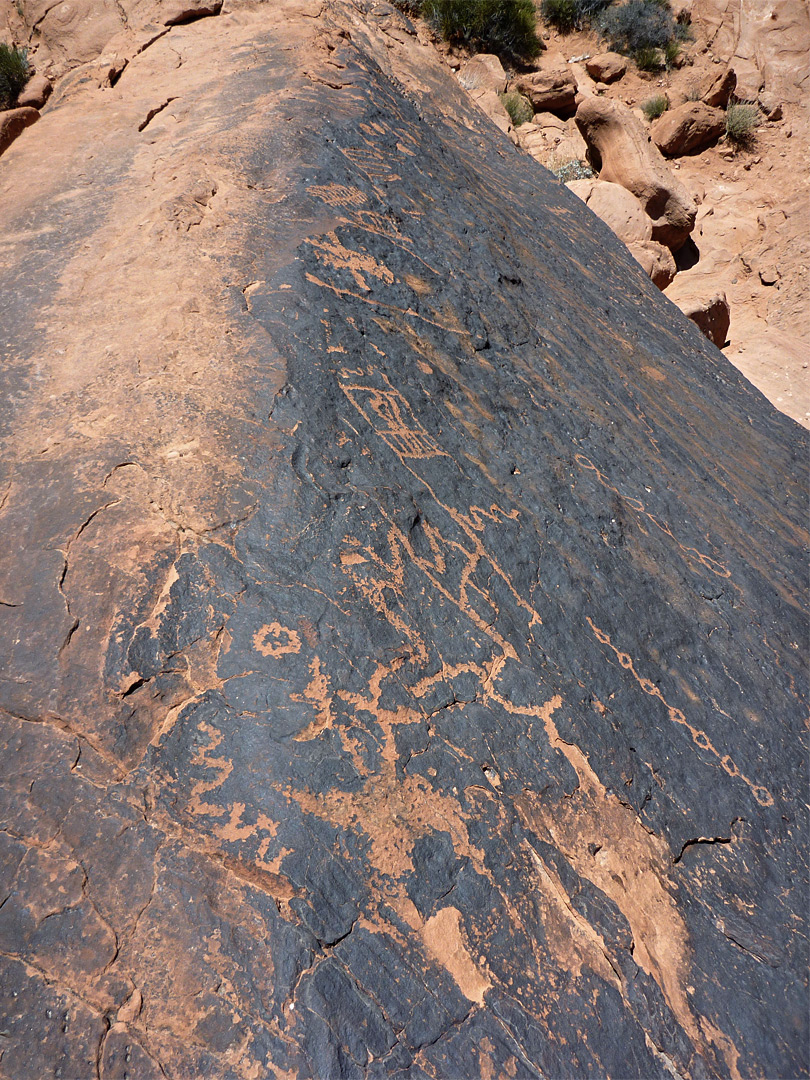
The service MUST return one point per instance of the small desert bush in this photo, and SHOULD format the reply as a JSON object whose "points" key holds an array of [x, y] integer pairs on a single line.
{"points": [[637, 25], [568, 15], [410, 7], [742, 120], [14, 72], [519, 107], [655, 106], [571, 169], [504, 27], [672, 50]]}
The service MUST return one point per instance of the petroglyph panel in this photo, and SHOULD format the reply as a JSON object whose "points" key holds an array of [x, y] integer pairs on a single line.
{"points": [[434, 705]]}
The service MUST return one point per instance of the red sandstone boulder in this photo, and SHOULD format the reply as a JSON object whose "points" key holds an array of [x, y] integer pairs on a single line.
{"points": [[656, 261], [688, 128], [717, 90], [13, 122], [483, 72], [606, 67], [710, 313], [617, 207], [549, 91]]}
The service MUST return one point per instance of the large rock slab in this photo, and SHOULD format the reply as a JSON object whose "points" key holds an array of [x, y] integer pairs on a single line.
{"points": [[402, 603], [620, 149]]}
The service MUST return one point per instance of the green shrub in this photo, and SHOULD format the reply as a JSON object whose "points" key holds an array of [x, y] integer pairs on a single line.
{"points": [[519, 107], [568, 15], [410, 7], [504, 27], [14, 72], [742, 120], [648, 59], [655, 106], [637, 25]]}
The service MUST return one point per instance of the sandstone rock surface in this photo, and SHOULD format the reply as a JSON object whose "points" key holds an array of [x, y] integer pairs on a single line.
{"points": [[621, 152], [688, 128], [75, 31], [766, 44], [401, 621]]}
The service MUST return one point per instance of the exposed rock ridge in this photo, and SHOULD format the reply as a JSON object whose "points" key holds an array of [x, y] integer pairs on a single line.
{"points": [[403, 602]]}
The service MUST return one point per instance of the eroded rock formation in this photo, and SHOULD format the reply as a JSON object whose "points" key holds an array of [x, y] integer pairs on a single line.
{"points": [[401, 600]]}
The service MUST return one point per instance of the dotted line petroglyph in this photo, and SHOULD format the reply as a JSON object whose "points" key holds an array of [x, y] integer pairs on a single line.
{"points": [[700, 738]]}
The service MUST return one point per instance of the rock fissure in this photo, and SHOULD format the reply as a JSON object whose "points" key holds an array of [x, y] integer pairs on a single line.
{"points": [[154, 112]]}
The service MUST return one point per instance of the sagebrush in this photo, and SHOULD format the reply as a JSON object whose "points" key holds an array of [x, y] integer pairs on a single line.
{"points": [[655, 106], [672, 50], [637, 25], [648, 59]]}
